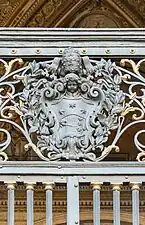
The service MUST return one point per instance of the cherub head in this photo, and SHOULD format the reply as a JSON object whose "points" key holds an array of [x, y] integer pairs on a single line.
{"points": [[72, 83]]}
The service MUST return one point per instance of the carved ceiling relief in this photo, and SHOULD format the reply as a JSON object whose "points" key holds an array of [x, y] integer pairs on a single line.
{"points": [[98, 15], [139, 6], [6, 9], [82, 13], [45, 14]]}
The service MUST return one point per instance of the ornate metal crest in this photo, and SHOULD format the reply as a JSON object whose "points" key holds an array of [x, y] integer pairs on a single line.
{"points": [[68, 106], [72, 105]]}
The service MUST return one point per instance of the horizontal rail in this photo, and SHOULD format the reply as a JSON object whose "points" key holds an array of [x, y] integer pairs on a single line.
{"points": [[58, 172], [121, 33], [68, 168], [118, 51], [96, 42]]}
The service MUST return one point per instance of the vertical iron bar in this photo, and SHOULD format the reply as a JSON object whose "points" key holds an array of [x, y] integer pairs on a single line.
{"points": [[30, 204], [116, 203], [135, 204], [72, 201], [11, 188], [48, 188], [96, 203]]}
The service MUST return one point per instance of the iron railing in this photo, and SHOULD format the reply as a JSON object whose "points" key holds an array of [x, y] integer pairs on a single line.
{"points": [[73, 175], [44, 45]]}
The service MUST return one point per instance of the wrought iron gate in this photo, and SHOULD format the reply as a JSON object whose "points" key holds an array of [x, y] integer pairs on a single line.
{"points": [[58, 92]]}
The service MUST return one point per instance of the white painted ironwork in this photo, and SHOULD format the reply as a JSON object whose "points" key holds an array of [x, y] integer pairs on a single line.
{"points": [[68, 130], [57, 76], [73, 201]]}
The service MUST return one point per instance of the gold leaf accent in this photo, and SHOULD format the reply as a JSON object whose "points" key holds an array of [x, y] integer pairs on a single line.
{"points": [[36, 150], [10, 115], [134, 116], [108, 149], [21, 103], [124, 77], [4, 63], [18, 77], [139, 156], [134, 66], [8, 66]]}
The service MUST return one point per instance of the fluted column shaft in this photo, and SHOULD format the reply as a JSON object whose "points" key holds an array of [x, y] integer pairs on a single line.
{"points": [[11, 200], [48, 188], [96, 203], [30, 204], [116, 204], [135, 204]]}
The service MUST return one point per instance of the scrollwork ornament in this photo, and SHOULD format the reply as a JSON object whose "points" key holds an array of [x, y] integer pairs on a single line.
{"points": [[141, 147], [69, 106], [4, 144], [8, 102], [133, 80], [72, 110]]}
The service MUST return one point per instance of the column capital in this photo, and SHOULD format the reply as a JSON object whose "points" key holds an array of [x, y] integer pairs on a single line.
{"points": [[30, 186], [116, 186], [96, 186], [11, 186], [135, 186], [49, 186]]}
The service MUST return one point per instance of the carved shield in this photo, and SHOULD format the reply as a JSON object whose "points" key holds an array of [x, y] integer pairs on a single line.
{"points": [[71, 105]]}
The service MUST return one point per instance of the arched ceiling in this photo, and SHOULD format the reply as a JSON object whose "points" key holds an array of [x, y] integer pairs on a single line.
{"points": [[72, 13]]}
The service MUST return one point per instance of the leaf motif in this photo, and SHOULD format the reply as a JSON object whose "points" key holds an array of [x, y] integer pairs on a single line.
{"points": [[117, 79], [116, 109], [126, 111], [120, 96], [34, 66], [98, 131], [101, 140], [34, 100], [111, 70], [107, 65]]}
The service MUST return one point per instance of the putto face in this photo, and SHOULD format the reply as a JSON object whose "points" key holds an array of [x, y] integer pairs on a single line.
{"points": [[72, 86]]}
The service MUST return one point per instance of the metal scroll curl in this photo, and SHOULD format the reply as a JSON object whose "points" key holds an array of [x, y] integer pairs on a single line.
{"points": [[67, 107]]}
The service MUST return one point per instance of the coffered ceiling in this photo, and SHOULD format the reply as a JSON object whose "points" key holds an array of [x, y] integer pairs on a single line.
{"points": [[72, 13]]}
